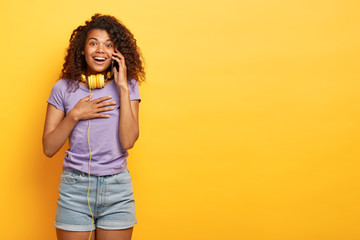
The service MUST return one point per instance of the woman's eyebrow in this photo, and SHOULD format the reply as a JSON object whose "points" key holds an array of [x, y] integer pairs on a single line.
{"points": [[92, 38]]}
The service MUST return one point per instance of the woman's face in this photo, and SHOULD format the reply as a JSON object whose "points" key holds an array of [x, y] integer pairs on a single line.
{"points": [[98, 51]]}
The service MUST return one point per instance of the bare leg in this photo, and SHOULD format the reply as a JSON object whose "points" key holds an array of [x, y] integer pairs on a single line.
{"points": [[69, 235], [124, 234]]}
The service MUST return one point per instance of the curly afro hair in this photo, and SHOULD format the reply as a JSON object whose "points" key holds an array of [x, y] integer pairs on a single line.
{"points": [[122, 38]]}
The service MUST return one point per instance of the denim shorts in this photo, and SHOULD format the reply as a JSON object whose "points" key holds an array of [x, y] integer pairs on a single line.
{"points": [[111, 200]]}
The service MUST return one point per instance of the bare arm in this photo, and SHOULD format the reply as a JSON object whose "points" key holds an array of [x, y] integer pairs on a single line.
{"points": [[56, 130], [128, 120], [129, 110], [58, 126]]}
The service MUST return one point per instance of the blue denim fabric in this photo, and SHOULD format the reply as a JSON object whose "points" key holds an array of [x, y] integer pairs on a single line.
{"points": [[111, 201]]}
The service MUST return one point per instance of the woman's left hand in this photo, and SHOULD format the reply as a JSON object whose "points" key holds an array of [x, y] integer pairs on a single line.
{"points": [[120, 76]]}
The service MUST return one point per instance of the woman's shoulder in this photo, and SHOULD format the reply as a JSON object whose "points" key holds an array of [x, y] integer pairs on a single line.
{"points": [[134, 90], [60, 88], [61, 83], [134, 85]]}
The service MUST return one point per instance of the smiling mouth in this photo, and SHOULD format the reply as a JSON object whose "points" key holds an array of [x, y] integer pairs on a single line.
{"points": [[99, 60]]}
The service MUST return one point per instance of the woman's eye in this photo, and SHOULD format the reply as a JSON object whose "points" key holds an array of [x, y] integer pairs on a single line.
{"points": [[93, 43], [109, 45]]}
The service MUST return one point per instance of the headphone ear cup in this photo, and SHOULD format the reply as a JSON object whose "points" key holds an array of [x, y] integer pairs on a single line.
{"points": [[101, 81], [95, 80]]}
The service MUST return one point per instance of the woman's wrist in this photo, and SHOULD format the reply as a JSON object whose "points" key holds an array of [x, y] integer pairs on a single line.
{"points": [[73, 116], [123, 88]]}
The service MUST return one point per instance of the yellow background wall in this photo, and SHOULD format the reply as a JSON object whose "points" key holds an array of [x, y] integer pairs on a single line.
{"points": [[249, 119]]}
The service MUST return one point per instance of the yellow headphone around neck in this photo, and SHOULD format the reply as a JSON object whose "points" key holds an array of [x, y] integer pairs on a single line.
{"points": [[96, 80]]}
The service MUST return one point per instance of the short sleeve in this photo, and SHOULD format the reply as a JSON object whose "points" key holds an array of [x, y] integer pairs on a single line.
{"points": [[134, 90], [57, 95]]}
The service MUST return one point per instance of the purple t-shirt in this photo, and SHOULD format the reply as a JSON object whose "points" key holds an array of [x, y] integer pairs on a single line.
{"points": [[107, 156]]}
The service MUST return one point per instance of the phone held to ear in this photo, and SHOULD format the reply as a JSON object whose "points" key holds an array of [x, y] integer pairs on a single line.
{"points": [[116, 65]]}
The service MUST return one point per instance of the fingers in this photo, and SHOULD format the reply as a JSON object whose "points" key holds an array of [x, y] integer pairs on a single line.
{"points": [[104, 109], [117, 56], [102, 106], [118, 60], [99, 100], [87, 108], [99, 105], [97, 112], [115, 71], [101, 116], [105, 104]]}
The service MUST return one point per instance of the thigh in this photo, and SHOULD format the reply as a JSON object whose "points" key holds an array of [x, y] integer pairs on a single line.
{"points": [[69, 235], [123, 234]]}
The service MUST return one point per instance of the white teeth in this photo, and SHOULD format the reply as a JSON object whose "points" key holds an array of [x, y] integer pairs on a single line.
{"points": [[99, 58]]}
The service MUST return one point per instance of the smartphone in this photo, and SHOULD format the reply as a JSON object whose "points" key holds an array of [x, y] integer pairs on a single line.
{"points": [[116, 65]]}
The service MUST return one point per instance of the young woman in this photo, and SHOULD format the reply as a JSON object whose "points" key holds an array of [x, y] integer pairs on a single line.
{"points": [[101, 124]]}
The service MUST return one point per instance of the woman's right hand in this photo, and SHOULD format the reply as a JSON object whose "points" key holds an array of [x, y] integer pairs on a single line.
{"points": [[58, 126], [87, 108]]}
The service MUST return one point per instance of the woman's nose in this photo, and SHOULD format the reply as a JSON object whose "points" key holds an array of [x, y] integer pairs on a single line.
{"points": [[100, 48]]}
